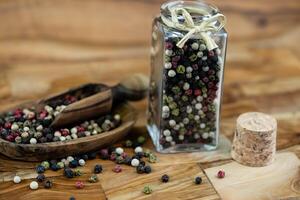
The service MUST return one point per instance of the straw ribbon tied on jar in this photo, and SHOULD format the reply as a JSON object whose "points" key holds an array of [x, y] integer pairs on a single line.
{"points": [[209, 24]]}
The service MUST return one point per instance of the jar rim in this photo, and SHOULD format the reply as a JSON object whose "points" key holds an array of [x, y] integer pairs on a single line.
{"points": [[210, 8]]}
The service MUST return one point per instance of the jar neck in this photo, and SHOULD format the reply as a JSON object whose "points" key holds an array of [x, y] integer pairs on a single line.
{"points": [[204, 10]]}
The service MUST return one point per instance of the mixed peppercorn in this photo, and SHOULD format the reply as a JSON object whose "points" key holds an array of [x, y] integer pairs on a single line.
{"points": [[190, 87], [29, 126]]}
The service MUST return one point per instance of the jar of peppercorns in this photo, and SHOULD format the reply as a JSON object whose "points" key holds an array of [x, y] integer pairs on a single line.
{"points": [[187, 66]]}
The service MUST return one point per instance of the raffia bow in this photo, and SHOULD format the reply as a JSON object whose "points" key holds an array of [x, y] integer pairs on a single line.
{"points": [[209, 23]]}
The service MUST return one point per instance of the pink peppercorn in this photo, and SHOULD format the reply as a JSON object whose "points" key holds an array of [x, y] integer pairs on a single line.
{"points": [[18, 111], [43, 114], [10, 138], [169, 45], [117, 169], [80, 128], [113, 157], [124, 155], [189, 92], [7, 125], [197, 92], [79, 184], [221, 174], [211, 53], [64, 132]]}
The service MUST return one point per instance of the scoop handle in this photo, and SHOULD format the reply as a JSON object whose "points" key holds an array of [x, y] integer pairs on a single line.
{"points": [[132, 88], [95, 105]]}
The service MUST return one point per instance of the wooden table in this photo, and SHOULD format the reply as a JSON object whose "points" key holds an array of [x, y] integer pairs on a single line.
{"points": [[47, 46]]}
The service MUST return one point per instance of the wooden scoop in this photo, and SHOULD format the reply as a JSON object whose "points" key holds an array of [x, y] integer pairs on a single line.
{"points": [[99, 100]]}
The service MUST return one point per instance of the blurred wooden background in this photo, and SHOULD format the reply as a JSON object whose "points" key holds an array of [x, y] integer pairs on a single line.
{"points": [[47, 46], [51, 45]]}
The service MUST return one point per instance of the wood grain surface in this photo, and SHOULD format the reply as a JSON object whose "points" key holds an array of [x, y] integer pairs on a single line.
{"points": [[49, 46]]}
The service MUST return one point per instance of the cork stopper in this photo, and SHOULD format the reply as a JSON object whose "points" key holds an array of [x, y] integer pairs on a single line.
{"points": [[254, 142]]}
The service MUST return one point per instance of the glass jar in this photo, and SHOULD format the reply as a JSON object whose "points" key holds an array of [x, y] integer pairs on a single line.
{"points": [[187, 66]]}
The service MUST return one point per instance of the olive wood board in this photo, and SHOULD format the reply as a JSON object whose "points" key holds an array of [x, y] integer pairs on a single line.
{"points": [[280, 180], [125, 185]]}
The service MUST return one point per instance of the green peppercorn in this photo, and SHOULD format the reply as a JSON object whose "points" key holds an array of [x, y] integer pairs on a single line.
{"points": [[173, 105], [93, 178], [180, 69], [60, 165], [175, 112], [152, 158], [141, 139], [147, 190], [77, 172], [176, 90], [184, 98], [45, 164], [193, 57], [128, 143]]}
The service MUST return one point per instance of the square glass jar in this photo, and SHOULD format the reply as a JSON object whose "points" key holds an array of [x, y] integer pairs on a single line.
{"points": [[186, 82]]}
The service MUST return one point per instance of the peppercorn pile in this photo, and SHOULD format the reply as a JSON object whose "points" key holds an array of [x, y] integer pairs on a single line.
{"points": [[28, 125], [190, 91]]}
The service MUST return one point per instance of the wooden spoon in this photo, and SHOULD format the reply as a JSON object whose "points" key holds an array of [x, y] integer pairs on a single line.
{"points": [[103, 97]]}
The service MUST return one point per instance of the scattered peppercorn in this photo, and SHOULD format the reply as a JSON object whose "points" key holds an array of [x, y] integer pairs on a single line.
{"points": [[40, 177], [34, 185], [77, 172], [73, 164], [117, 169], [147, 169], [147, 190], [92, 155], [221, 174], [98, 169], [165, 178], [17, 179], [140, 169], [40, 169], [54, 167], [93, 178], [135, 162], [198, 180], [48, 184], [45, 164], [79, 184], [68, 173]]}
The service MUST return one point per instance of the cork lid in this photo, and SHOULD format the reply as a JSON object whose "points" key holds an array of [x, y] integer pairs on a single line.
{"points": [[257, 122]]}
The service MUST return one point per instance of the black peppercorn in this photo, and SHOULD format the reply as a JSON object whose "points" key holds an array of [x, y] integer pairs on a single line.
{"points": [[139, 154], [140, 169], [68, 173], [198, 180], [85, 157], [165, 178], [40, 177], [147, 169], [97, 169], [142, 162], [74, 163], [40, 169], [54, 167], [127, 161], [92, 155], [48, 184]]}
